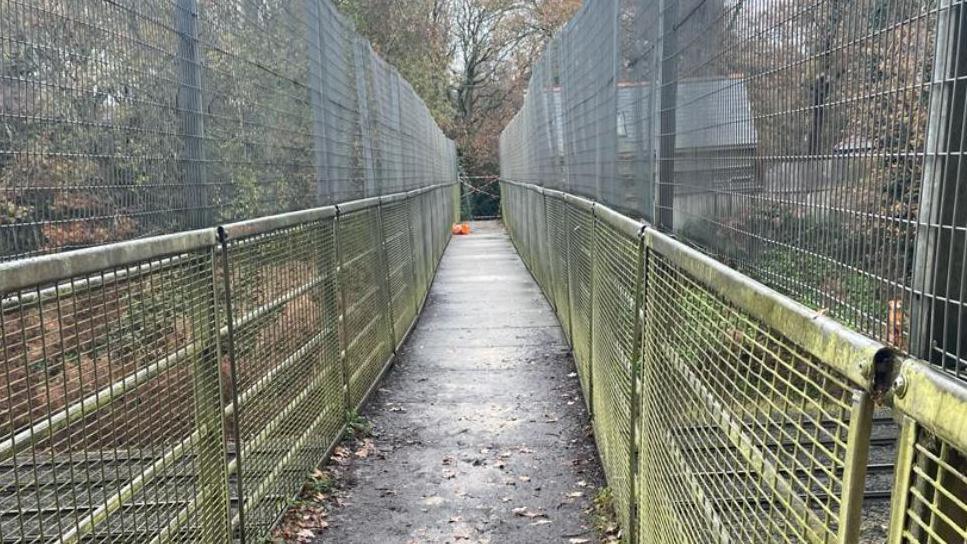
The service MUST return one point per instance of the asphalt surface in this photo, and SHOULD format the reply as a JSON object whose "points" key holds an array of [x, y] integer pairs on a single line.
{"points": [[480, 431]]}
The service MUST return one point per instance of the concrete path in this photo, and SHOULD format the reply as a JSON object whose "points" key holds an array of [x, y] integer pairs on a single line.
{"points": [[481, 436]]}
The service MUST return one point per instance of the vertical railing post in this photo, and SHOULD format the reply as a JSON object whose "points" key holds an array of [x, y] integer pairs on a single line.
{"points": [[938, 268], [341, 313], [226, 272], [198, 205], [213, 513], [903, 469], [854, 468], [667, 108], [636, 351]]}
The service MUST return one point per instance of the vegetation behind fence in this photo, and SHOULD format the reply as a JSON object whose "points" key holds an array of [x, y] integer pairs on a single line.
{"points": [[131, 118]]}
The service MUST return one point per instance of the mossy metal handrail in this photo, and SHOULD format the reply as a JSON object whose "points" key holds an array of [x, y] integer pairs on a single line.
{"points": [[747, 353], [70, 304]]}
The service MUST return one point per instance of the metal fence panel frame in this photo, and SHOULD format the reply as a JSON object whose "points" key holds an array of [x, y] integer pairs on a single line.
{"points": [[808, 380], [251, 371]]}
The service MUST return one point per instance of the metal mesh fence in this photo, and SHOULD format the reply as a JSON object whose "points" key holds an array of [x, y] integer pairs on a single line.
{"points": [[616, 301], [725, 411], [759, 437], [815, 146], [93, 350], [132, 118], [287, 377], [580, 245], [558, 254], [362, 282], [930, 494], [399, 266], [252, 340]]}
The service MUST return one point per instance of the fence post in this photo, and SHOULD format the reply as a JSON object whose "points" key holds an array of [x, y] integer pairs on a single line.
{"points": [[938, 268], [667, 107], [229, 320], [903, 468], [317, 86], [197, 201], [212, 450], [341, 312], [636, 361]]}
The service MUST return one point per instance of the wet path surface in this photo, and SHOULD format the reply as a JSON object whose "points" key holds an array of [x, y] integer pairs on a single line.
{"points": [[480, 432]]}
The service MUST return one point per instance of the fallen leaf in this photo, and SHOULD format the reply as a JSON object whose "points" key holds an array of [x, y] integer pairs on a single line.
{"points": [[525, 512]]}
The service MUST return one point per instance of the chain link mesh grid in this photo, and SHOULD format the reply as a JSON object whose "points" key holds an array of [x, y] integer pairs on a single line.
{"points": [[738, 427], [291, 403], [400, 267], [580, 244], [133, 118], [815, 146], [744, 435], [930, 489], [616, 304], [88, 362], [240, 346], [365, 301], [557, 226]]}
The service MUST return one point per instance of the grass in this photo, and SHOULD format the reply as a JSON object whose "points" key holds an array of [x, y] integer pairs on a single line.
{"points": [[357, 426], [604, 517]]}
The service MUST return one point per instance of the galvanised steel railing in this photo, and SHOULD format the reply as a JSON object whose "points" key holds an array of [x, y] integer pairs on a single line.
{"points": [[181, 387], [726, 412]]}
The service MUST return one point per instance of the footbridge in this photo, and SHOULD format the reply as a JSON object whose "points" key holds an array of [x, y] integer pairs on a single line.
{"points": [[724, 302]]}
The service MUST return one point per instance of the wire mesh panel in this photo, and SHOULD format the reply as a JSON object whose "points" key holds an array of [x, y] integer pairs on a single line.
{"points": [[418, 241], [581, 251], [815, 146], [128, 119], [588, 78], [399, 263], [537, 231], [288, 375], [724, 411], [616, 304], [250, 110], [94, 348], [930, 493], [794, 160], [745, 435], [557, 226], [365, 302]]}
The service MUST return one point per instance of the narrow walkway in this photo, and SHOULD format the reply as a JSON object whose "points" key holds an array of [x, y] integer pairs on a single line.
{"points": [[480, 429]]}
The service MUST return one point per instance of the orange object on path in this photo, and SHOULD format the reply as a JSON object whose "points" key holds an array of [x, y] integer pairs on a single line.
{"points": [[461, 228]]}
